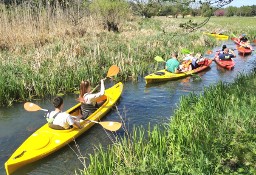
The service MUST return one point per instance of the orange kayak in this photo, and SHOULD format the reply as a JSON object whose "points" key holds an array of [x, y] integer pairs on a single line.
{"points": [[227, 64], [244, 50]]}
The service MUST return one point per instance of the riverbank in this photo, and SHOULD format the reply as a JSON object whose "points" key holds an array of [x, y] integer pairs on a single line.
{"points": [[39, 59], [213, 133]]}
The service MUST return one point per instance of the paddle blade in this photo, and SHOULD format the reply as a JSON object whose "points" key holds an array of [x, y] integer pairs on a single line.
{"points": [[209, 52], [113, 70], [159, 59], [185, 51], [111, 126], [233, 35], [31, 107]]}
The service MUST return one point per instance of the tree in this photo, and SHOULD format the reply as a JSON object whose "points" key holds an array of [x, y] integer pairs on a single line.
{"points": [[253, 10], [207, 8], [112, 12], [146, 9], [231, 11], [219, 12], [245, 11]]}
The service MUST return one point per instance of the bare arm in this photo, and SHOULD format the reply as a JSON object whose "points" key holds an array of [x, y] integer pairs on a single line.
{"points": [[92, 97], [77, 125]]}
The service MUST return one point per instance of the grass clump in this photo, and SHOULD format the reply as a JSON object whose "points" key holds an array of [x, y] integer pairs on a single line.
{"points": [[213, 133]]}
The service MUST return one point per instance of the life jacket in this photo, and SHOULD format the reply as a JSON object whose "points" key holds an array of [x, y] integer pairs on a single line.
{"points": [[48, 119], [50, 122], [186, 63]]}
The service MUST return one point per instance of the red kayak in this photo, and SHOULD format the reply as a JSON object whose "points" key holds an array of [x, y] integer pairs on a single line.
{"points": [[227, 64], [236, 40], [244, 50]]}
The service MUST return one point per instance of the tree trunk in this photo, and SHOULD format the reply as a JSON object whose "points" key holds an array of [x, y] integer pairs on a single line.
{"points": [[111, 26]]}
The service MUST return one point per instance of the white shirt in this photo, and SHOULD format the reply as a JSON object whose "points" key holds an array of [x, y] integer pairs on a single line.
{"points": [[63, 119], [91, 98]]}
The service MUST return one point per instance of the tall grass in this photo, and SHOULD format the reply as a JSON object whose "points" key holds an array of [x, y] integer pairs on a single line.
{"points": [[212, 133], [54, 49]]}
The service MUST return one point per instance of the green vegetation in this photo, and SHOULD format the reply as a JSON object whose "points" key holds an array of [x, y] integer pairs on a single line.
{"points": [[50, 53], [213, 133], [45, 51]]}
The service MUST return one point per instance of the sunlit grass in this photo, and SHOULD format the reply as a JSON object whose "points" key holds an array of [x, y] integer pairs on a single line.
{"points": [[43, 55], [212, 133]]}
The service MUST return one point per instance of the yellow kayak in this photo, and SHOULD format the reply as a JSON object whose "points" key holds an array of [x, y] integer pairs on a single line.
{"points": [[164, 75], [218, 36], [45, 140]]}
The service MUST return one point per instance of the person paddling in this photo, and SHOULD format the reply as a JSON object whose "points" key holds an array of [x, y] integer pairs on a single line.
{"points": [[88, 100], [172, 65], [61, 120], [227, 54]]}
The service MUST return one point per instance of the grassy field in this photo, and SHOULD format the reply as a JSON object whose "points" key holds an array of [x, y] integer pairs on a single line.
{"points": [[43, 55], [213, 133]]}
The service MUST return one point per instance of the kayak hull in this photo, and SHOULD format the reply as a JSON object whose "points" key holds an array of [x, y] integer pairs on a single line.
{"points": [[227, 64], [45, 140], [164, 75], [244, 51], [218, 36]]}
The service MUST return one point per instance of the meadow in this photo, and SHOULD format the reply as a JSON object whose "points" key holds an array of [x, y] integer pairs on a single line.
{"points": [[43, 55]]}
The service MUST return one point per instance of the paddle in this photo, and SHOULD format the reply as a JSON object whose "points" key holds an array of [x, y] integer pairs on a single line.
{"points": [[159, 59], [33, 107], [112, 71], [185, 51], [233, 35], [109, 125]]}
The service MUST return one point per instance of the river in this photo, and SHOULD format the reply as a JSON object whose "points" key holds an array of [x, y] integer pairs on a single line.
{"points": [[138, 106]]}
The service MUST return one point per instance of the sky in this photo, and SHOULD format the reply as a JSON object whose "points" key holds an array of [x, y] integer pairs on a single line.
{"points": [[239, 3]]}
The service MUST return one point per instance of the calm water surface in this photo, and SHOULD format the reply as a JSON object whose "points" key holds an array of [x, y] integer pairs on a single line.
{"points": [[139, 106]]}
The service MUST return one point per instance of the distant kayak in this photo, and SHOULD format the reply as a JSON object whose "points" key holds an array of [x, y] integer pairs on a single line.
{"points": [[218, 36], [244, 50], [164, 75]]}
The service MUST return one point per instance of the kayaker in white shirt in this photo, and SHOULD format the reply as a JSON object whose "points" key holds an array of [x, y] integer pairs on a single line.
{"points": [[88, 99], [61, 120]]}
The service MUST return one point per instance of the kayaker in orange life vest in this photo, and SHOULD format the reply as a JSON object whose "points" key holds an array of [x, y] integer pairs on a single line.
{"points": [[61, 120], [244, 42], [88, 100], [227, 54], [186, 65]]}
